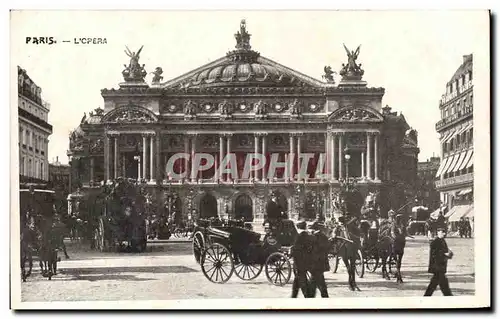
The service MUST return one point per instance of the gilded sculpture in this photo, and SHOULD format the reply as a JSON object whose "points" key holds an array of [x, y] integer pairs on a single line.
{"points": [[134, 71], [352, 71]]}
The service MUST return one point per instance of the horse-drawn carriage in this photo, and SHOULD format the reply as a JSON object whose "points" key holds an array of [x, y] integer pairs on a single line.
{"points": [[226, 247], [114, 214], [39, 237], [121, 217]]}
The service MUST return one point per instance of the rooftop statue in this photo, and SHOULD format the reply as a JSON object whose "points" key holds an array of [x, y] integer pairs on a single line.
{"points": [[328, 76], [134, 71], [243, 37], [352, 71], [157, 75]]}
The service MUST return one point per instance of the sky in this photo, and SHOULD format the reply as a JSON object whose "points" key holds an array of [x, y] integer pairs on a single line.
{"points": [[412, 54]]}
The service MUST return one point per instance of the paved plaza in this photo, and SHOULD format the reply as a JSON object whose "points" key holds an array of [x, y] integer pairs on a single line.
{"points": [[169, 271]]}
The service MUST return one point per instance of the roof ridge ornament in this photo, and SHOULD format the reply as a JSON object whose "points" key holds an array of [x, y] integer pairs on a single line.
{"points": [[243, 52], [243, 37]]}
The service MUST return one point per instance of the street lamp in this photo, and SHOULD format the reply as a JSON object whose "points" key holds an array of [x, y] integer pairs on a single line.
{"points": [[347, 158], [138, 159]]}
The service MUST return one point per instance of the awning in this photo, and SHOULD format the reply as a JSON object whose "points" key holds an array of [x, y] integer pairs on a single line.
{"points": [[459, 212], [466, 160], [448, 136], [451, 212], [455, 167], [453, 163], [442, 166], [447, 167], [466, 128], [470, 213], [471, 161], [465, 191]]}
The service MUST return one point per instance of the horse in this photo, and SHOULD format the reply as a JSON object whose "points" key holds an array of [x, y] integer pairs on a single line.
{"points": [[349, 200], [347, 248], [28, 244], [391, 245]]}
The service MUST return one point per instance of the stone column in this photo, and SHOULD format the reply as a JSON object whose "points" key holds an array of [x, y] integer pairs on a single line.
{"points": [[256, 144], [92, 169], [221, 155], [291, 158], [363, 165], [341, 155], [376, 156], [107, 152], [115, 159], [333, 168], [158, 174], [228, 152], [151, 158], [264, 144], [185, 162], [299, 151], [193, 152], [328, 169], [144, 156], [368, 155]]}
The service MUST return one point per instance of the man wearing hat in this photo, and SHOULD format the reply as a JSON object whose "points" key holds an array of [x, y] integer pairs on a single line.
{"points": [[319, 259], [301, 254], [438, 261]]}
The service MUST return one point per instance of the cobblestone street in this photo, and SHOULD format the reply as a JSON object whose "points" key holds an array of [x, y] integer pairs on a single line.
{"points": [[169, 271]]}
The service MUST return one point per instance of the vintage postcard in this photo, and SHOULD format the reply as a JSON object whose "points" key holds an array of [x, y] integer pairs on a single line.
{"points": [[244, 159]]}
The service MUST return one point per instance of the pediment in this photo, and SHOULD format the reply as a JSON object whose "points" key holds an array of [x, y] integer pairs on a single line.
{"points": [[355, 114], [130, 114]]}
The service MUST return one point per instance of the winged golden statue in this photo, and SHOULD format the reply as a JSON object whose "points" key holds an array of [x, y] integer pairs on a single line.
{"points": [[352, 57]]}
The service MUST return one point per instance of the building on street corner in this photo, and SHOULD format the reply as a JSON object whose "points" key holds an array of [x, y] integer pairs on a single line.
{"points": [[427, 193], [246, 110], [34, 130], [59, 181], [455, 176]]}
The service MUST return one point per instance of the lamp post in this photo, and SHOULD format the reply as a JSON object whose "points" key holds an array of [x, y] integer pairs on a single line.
{"points": [[347, 158], [138, 159]]}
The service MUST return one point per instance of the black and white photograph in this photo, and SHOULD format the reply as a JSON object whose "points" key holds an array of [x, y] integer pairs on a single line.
{"points": [[247, 159]]}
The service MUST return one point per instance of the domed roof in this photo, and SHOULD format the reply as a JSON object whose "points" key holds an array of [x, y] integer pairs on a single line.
{"points": [[242, 67], [239, 72]]}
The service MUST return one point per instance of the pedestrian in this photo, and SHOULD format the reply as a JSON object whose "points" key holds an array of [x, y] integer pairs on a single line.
{"points": [[301, 253], [319, 262], [438, 262]]}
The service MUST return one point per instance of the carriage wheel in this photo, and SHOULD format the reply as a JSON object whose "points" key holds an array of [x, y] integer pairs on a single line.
{"points": [[360, 265], [248, 272], [198, 245], [217, 264], [371, 264], [99, 235], [334, 262], [278, 269]]}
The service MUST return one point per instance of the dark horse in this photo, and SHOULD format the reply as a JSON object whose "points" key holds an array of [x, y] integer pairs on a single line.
{"points": [[391, 246], [48, 246], [348, 201], [28, 245]]}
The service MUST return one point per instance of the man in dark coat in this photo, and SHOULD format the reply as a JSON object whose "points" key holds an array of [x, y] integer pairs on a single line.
{"points": [[319, 260], [301, 254], [273, 210], [438, 261]]}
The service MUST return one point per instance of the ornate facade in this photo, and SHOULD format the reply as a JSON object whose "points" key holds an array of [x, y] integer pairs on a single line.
{"points": [[34, 130], [240, 104], [456, 172]]}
